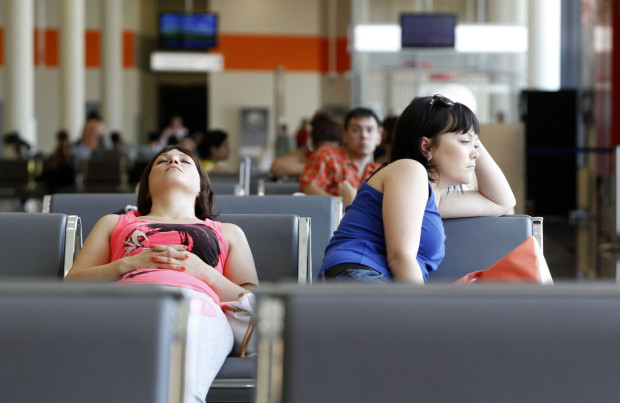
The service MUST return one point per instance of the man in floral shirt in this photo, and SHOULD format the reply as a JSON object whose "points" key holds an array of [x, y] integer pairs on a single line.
{"points": [[339, 171]]}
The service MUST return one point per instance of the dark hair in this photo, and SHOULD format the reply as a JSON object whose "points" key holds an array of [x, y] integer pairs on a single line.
{"points": [[328, 130], [153, 135], [93, 115], [389, 124], [205, 200], [62, 135], [321, 116], [360, 113], [418, 121], [115, 137], [211, 138]]}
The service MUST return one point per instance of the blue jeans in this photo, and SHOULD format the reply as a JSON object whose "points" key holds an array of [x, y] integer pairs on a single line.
{"points": [[349, 273]]}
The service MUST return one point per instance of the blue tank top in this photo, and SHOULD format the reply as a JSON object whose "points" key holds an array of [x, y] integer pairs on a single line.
{"points": [[360, 238]]}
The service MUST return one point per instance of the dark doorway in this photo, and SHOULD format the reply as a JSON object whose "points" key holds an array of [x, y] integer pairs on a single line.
{"points": [[189, 102]]}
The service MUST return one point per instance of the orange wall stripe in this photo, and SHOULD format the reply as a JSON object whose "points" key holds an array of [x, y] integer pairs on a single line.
{"points": [[129, 50], [343, 59], [50, 51], [52, 44], [92, 51], [266, 52], [241, 52]]}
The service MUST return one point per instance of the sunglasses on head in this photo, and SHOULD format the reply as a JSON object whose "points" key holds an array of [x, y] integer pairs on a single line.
{"points": [[440, 98]]}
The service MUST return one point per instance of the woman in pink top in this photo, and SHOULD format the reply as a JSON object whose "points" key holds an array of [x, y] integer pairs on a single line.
{"points": [[172, 240]]}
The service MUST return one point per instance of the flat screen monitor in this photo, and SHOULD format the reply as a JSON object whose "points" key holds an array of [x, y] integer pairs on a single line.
{"points": [[424, 30], [187, 31]]}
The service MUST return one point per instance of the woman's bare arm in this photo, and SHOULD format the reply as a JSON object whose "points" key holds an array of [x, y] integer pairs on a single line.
{"points": [[404, 184]]}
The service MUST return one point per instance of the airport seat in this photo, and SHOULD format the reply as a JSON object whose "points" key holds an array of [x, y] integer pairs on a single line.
{"points": [[90, 207], [324, 211], [290, 232], [266, 187], [18, 178], [280, 247], [476, 243], [81, 342], [439, 343], [38, 245], [279, 243], [106, 172]]}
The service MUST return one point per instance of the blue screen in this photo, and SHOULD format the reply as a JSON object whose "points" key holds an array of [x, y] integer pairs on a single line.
{"points": [[187, 31]]}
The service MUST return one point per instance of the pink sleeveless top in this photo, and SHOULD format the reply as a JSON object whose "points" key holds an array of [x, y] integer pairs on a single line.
{"points": [[206, 240]]}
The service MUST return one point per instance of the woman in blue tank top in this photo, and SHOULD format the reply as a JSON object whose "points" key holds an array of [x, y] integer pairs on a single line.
{"points": [[393, 228]]}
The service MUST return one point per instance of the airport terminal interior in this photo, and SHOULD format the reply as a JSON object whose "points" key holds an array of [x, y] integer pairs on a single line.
{"points": [[540, 75], [539, 84]]}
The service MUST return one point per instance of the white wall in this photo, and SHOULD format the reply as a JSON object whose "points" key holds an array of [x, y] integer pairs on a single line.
{"points": [[303, 91]]}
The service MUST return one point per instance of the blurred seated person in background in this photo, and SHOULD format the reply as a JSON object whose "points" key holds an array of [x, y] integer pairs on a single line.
{"points": [[325, 131], [117, 152], [19, 148], [303, 134], [382, 153], [191, 142], [339, 171], [59, 172], [93, 131], [172, 240], [150, 149], [214, 148], [175, 130]]}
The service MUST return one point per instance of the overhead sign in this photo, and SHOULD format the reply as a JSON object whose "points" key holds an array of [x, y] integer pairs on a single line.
{"points": [[193, 62]]}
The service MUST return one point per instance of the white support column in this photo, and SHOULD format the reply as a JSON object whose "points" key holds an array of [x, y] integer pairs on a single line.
{"points": [[112, 64], [72, 69], [544, 44], [19, 63]]}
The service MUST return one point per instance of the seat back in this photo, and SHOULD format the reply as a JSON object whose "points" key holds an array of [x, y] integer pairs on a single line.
{"points": [[279, 244], [286, 233], [18, 176], [106, 172], [35, 244], [90, 207], [266, 187], [77, 342], [439, 343], [324, 211], [476, 243]]}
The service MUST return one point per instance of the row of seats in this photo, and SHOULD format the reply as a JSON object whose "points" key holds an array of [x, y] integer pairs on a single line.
{"points": [[79, 342], [237, 378], [107, 173], [324, 212], [439, 343]]}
